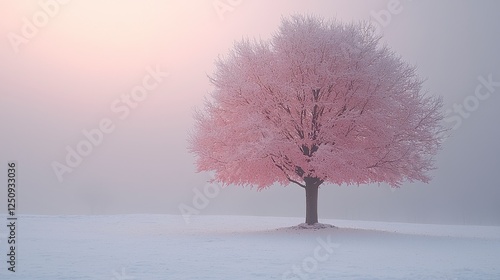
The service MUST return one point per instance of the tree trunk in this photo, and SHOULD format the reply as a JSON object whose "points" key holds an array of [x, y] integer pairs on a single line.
{"points": [[312, 185]]}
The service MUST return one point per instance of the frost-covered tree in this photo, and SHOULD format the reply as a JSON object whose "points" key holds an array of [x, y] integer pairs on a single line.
{"points": [[321, 102]]}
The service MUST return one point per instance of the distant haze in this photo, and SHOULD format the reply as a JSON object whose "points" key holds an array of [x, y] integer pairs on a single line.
{"points": [[126, 76]]}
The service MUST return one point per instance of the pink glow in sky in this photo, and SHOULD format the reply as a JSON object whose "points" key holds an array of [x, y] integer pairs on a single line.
{"points": [[64, 79]]}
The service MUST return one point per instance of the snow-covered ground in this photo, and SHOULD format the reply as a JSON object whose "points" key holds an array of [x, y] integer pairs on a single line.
{"points": [[232, 247]]}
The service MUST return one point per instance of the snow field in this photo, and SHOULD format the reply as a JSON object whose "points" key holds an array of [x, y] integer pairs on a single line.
{"points": [[123, 247]]}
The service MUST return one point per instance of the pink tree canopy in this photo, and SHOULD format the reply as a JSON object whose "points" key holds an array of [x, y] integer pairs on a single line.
{"points": [[319, 100]]}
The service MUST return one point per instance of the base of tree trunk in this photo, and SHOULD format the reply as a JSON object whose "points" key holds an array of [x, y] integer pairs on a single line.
{"points": [[313, 226]]}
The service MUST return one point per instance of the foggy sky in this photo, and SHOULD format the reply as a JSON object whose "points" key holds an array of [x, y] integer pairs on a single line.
{"points": [[75, 71]]}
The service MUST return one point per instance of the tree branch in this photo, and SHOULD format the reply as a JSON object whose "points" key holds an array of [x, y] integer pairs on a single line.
{"points": [[284, 172], [298, 183]]}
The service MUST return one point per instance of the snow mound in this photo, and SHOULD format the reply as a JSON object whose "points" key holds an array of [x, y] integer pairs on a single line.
{"points": [[315, 226]]}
